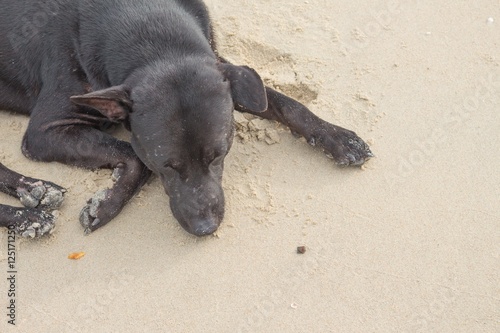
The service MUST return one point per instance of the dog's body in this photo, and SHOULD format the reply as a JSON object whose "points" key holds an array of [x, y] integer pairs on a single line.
{"points": [[74, 65]]}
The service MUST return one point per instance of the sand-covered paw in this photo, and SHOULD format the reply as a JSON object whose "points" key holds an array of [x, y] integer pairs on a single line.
{"points": [[354, 151], [39, 194], [34, 223], [342, 145], [89, 216]]}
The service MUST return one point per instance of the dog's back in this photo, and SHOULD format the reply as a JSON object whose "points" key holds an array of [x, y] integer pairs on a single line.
{"points": [[131, 33], [104, 40], [27, 37]]}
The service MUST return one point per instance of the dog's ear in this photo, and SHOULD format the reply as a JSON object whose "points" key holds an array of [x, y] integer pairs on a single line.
{"points": [[114, 102], [247, 88]]}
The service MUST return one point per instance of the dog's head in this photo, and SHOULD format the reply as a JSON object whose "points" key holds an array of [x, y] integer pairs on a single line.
{"points": [[182, 127]]}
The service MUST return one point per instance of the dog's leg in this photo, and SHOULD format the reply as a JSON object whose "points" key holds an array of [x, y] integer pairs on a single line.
{"points": [[343, 145], [63, 132], [37, 195], [13, 98], [90, 148], [33, 193], [27, 222]]}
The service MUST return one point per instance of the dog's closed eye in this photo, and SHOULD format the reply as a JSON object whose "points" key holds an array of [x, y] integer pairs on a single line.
{"points": [[175, 165], [214, 157]]}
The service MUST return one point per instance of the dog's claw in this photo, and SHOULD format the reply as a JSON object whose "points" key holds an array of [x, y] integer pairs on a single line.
{"points": [[30, 233], [26, 198], [85, 217], [89, 213], [96, 222]]}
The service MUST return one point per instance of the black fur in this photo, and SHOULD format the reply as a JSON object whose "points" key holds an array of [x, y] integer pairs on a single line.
{"points": [[76, 65]]}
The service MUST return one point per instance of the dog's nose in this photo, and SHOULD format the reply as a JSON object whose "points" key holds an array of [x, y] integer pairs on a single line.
{"points": [[204, 228]]}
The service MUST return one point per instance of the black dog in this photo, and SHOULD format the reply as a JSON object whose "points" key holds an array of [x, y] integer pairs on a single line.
{"points": [[74, 65]]}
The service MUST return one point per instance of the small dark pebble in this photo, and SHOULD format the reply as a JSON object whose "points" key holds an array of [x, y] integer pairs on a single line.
{"points": [[301, 249]]}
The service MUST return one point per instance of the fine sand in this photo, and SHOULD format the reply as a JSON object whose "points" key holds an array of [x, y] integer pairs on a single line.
{"points": [[408, 243]]}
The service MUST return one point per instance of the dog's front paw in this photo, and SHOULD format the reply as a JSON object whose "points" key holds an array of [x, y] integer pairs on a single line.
{"points": [[33, 223], [41, 194], [342, 145], [92, 215]]}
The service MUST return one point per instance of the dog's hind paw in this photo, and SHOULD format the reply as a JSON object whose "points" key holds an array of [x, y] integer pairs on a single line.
{"points": [[34, 223], [89, 214], [41, 194]]}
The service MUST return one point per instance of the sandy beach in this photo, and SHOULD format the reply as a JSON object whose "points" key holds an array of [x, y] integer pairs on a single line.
{"points": [[410, 242]]}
